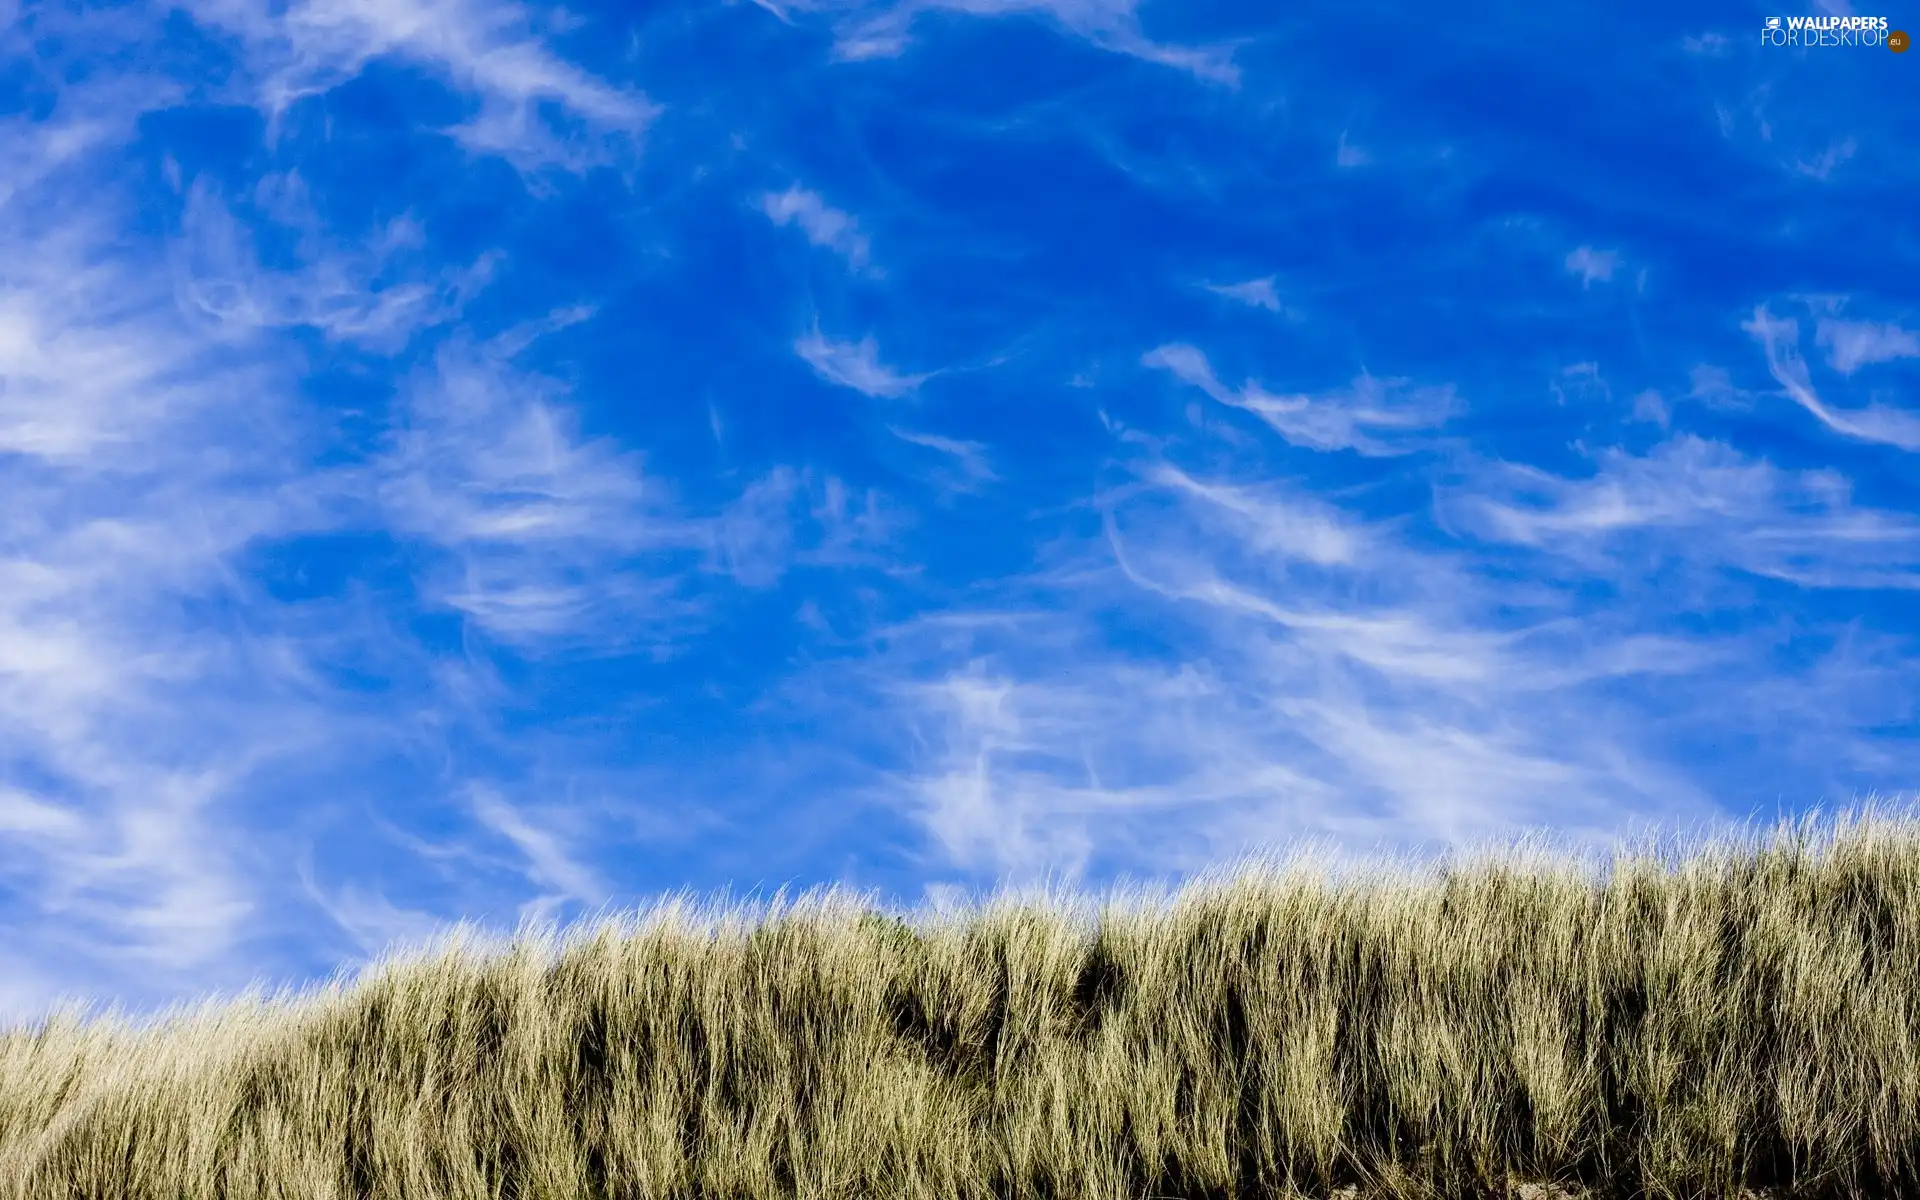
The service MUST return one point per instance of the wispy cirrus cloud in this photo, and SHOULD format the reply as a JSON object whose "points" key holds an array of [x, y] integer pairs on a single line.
{"points": [[1780, 338], [1851, 345], [360, 294], [1333, 421], [1590, 264], [791, 519], [449, 532], [1702, 502], [1255, 293], [1337, 678], [172, 657], [487, 49], [375, 923], [1315, 669], [1272, 522], [550, 862], [854, 365], [1823, 165], [969, 458], [1040, 744], [136, 705], [824, 225], [1016, 774], [868, 29], [545, 539]]}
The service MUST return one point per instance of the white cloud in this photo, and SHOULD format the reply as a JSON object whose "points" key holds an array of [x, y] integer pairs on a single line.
{"points": [[1823, 166], [1319, 674], [1590, 264], [74, 348], [1581, 382], [854, 365], [793, 518], [1314, 671], [339, 290], [93, 112], [542, 532], [1270, 522], [376, 924], [1700, 503], [1287, 712], [549, 860], [824, 225], [1851, 345], [754, 536], [1714, 387], [154, 692], [489, 50], [1024, 776], [143, 459], [970, 457], [1350, 155], [1649, 406], [870, 29], [1255, 293], [22, 814], [1332, 421], [1780, 337]]}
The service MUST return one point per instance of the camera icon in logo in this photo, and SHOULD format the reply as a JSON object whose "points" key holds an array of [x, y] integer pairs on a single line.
{"points": [[1773, 22]]}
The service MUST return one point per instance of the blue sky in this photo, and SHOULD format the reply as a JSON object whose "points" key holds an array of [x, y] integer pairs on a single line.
{"points": [[465, 460]]}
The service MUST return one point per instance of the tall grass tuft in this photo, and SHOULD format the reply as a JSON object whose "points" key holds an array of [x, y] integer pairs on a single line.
{"points": [[1745, 1015]]}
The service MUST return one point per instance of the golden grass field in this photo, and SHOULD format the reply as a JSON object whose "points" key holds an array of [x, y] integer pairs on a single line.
{"points": [[1739, 1015]]}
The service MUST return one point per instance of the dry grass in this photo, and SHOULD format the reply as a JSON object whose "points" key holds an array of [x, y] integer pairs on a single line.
{"points": [[1742, 1015]]}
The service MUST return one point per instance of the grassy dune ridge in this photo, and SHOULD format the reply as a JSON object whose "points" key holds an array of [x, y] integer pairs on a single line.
{"points": [[1742, 1014]]}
